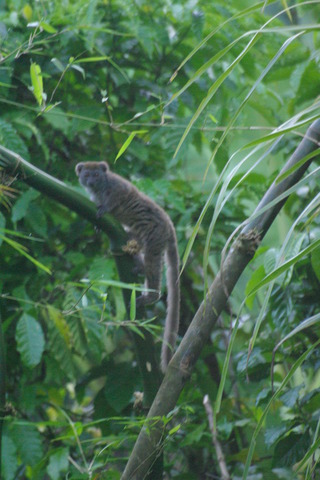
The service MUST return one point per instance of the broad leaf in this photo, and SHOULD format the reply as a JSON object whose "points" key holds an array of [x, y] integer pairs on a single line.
{"points": [[30, 340]]}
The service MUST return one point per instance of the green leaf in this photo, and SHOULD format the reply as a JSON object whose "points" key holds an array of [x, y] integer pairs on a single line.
{"points": [[36, 82], [310, 454], [58, 119], [273, 434], [9, 459], [257, 276], [126, 145], [20, 207], [58, 463], [284, 129], [194, 436], [79, 69], [309, 83], [60, 342], [287, 10], [291, 397], [30, 340], [133, 305], [101, 59], [10, 139], [90, 59], [27, 12], [101, 269], [47, 27], [128, 141], [120, 385], [28, 441], [58, 64], [36, 219], [297, 165], [118, 284], [315, 262], [174, 429], [290, 449], [23, 251], [42, 25]]}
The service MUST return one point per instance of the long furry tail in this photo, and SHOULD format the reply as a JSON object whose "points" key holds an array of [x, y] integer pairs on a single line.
{"points": [[173, 302]]}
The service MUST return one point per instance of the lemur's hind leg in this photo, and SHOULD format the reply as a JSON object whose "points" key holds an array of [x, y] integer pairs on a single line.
{"points": [[133, 248]]}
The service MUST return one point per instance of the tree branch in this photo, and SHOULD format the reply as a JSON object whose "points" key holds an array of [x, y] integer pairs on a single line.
{"points": [[180, 368]]}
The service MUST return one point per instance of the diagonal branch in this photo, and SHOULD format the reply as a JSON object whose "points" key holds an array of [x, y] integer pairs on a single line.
{"points": [[148, 444]]}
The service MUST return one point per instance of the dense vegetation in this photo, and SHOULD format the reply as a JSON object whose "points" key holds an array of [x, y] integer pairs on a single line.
{"points": [[200, 103]]}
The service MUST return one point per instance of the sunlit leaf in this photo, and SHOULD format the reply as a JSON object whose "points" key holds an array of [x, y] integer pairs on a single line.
{"points": [[36, 82]]}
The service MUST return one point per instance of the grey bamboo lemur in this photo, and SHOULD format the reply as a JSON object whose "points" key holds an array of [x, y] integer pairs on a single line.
{"points": [[154, 232]]}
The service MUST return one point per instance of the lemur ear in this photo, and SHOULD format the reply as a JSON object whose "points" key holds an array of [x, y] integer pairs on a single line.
{"points": [[79, 167], [104, 166]]}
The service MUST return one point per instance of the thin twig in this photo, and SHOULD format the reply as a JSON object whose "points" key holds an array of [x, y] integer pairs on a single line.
{"points": [[220, 456]]}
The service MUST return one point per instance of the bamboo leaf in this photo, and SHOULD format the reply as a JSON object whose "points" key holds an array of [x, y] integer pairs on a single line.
{"points": [[126, 144], [133, 305], [22, 250], [37, 83]]}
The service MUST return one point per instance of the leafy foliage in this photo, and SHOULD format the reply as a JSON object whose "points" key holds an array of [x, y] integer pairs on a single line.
{"points": [[199, 104]]}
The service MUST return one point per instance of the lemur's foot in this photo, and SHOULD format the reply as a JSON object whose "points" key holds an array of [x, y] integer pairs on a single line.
{"points": [[132, 247]]}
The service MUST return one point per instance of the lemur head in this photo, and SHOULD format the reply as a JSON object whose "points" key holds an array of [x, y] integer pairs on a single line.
{"points": [[92, 175]]}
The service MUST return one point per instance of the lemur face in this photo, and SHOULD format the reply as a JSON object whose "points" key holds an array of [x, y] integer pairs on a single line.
{"points": [[92, 175]]}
